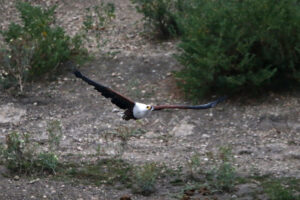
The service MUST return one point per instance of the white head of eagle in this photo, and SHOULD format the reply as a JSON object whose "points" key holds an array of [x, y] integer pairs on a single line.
{"points": [[141, 110], [135, 110]]}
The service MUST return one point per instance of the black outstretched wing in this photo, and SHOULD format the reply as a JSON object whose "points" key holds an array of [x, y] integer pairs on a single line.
{"points": [[203, 106], [116, 98]]}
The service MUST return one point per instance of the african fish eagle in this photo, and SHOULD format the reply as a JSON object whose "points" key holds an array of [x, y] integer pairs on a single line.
{"points": [[135, 110]]}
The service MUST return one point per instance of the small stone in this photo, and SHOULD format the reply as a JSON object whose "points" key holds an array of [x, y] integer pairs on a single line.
{"points": [[16, 178], [245, 152], [79, 148], [33, 181]]}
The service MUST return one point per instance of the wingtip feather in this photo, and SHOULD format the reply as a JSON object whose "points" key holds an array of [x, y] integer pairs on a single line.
{"points": [[77, 74], [221, 99]]}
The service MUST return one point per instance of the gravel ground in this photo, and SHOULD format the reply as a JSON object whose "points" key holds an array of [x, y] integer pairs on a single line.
{"points": [[264, 134]]}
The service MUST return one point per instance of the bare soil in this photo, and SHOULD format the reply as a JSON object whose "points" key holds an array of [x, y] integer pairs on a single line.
{"points": [[264, 134]]}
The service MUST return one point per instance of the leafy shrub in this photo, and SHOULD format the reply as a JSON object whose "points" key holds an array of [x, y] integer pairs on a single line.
{"points": [[161, 15], [38, 46], [232, 46]]}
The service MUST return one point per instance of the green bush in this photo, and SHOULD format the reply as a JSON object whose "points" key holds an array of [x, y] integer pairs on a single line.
{"points": [[161, 15], [47, 43], [232, 46]]}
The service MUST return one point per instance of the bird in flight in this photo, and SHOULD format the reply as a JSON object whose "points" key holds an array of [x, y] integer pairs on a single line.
{"points": [[135, 110]]}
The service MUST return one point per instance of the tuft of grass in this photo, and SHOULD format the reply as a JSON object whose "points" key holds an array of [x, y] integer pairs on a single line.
{"points": [[280, 188], [223, 176], [105, 171], [194, 167], [145, 179], [54, 130], [96, 20], [47, 162], [125, 133], [97, 17]]}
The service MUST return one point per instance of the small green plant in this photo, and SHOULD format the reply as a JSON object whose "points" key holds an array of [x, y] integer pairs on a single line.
{"points": [[54, 130], [223, 177], [15, 61], [105, 171], [194, 166], [124, 134], [37, 46], [145, 179], [98, 17], [20, 156], [233, 46], [281, 189], [47, 162], [161, 15]]}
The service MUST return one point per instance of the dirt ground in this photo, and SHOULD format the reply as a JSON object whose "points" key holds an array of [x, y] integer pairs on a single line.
{"points": [[264, 134]]}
